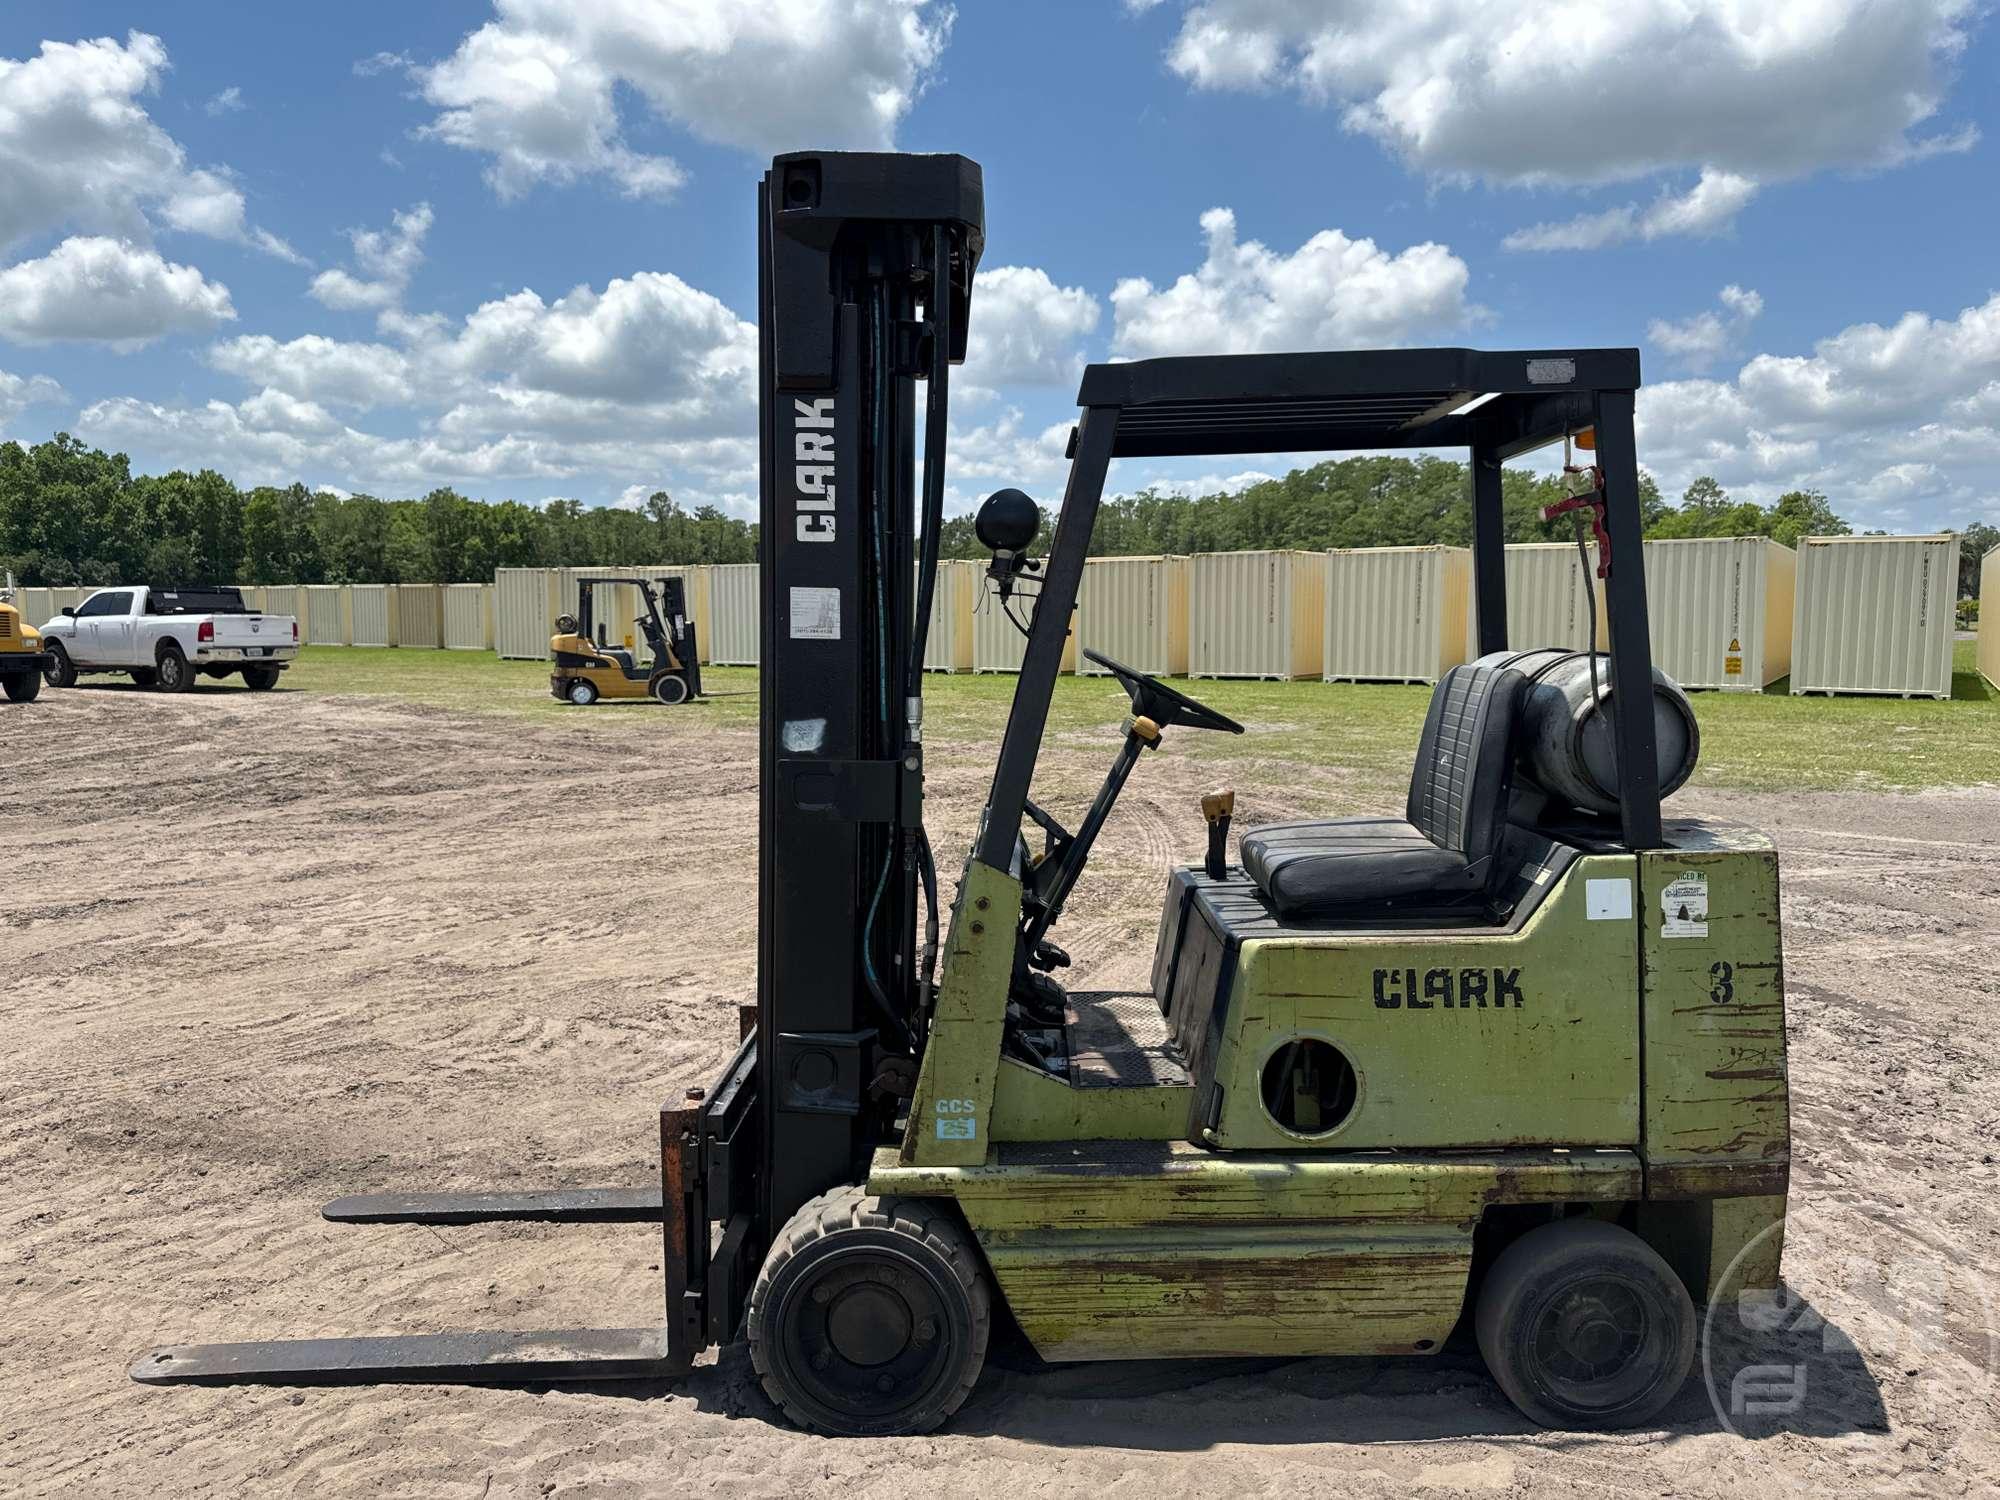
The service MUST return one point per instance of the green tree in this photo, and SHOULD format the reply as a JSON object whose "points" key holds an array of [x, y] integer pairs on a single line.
{"points": [[1803, 513], [1974, 543]]}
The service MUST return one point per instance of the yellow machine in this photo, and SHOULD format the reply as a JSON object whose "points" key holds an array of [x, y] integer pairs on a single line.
{"points": [[588, 668], [22, 659]]}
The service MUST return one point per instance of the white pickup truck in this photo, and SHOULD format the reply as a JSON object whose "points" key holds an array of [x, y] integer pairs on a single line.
{"points": [[165, 638]]}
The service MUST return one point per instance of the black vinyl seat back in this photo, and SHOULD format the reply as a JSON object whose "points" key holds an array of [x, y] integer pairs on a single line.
{"points": [[1465, 760], [1445, 851]]}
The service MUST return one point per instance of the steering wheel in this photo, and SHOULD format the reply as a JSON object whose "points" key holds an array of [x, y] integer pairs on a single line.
{"points": [[1160, 703]]}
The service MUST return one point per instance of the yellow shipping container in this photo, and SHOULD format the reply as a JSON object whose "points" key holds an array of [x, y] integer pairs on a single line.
{"points": [[1256, 614], [1396, 614], [1875, 614], [1135, 611]]}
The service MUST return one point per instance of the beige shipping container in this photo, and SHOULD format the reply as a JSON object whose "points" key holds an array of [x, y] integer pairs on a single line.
{"points": [[419, 615], [287, 599], [254, 598], [1135, 611], [1875, 614], [1545, 600], [1256, 614], [328, 616], [1396, 614], [38, 605], [960, 588], [1719, 610], [468, 617], [524, 612], [997, 643], [735, 628], [1989, 617], [372, 613]]}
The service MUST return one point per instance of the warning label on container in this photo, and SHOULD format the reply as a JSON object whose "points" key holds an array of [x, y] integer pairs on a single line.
{"points": [[1732, 666], [1684, 906], [815, 614]]}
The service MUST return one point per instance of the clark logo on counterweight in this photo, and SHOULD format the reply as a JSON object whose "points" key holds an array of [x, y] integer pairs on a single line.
{"points": [[1447, 989]]}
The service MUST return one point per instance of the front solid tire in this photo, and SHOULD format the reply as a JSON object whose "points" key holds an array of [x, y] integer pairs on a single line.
{"points": [[1584, 1326], [22, 687], [670, 688], [61, 671], [260, 679], [870, 1316], [582, 692], [173, 674]]}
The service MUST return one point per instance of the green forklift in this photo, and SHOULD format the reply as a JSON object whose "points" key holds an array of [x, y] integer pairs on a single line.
{"points": [[1510, 1060]]}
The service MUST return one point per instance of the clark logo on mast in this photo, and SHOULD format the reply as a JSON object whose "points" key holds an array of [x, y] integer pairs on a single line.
{"points": [[813, 453]]}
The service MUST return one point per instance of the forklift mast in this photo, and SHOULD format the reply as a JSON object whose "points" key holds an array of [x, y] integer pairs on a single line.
{"points": [[865, 271]]}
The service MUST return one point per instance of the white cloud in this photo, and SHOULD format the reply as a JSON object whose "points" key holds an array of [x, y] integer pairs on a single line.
{"points": [[536, 89], [107, 291], [1708, 335], [78, 151], [1569, 91], [646, 377], [387, 257], [1331, 293], [1025, 330], [1894, 423], [1708, 208], [383, 62], [228, 102], [19, 392]]}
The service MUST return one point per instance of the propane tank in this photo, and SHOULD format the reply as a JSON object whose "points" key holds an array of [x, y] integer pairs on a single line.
{"points": [[1566, 738]]}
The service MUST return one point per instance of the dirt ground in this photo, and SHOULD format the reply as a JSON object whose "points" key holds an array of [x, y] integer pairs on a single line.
{"points": [[267, 949]]}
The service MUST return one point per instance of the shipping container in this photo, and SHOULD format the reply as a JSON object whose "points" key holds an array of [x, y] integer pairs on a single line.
{"points": [[287, 599], [524, 612], [1135, 611], [1719, 610], [419, 615], [1989, 617], [372, 614], [1256, 614], [997, 642], [254, 598], [735, 625], [1395, 614], [37, 605], [468, 617], [1546, 600], [328, 616], [960, 586], [1875, 614]]}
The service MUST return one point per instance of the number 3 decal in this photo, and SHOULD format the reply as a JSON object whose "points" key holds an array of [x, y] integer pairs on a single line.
{"points": [[1723, 990]]}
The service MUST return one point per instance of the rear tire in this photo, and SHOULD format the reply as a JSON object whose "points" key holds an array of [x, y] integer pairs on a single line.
{"points": [[173, 674], [670, 688], [260, 679], [22, 687], [61, 671], [582, 692], [871, 1315], [1584, 1326]]}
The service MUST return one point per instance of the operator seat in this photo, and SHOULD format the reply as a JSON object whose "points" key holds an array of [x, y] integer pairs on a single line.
{"points": [[1444, 850]]}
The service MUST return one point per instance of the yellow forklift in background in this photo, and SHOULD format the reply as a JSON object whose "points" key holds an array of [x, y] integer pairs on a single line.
{"points": [[588, 667]]}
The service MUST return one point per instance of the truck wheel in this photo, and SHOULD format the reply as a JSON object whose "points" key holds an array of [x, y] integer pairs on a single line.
{"points": [[61, 671], [22, 687], [144, 677], [582, 692], [870, 1316], [670, 688], [260, 678], [173, 674], [1584, 1326]]}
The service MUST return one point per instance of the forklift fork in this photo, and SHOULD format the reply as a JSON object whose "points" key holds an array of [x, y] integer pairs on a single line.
{"points": [[707, 1162]]}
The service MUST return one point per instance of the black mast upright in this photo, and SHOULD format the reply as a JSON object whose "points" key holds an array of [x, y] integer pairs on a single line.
{"points": [[848, 244]]}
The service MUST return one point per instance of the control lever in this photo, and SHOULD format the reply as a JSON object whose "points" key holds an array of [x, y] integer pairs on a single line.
{"points": [[1218, 807]]}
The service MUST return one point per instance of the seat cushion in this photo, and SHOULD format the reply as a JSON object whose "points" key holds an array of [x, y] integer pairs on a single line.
{"points": [[1346, 863]]}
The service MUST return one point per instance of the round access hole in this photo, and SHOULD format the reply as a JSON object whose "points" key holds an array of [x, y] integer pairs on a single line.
{"points": [[1309, 1086]]}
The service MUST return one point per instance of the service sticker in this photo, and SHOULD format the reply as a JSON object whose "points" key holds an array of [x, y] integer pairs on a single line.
{"points": [[815, 614], [1684, 906]]}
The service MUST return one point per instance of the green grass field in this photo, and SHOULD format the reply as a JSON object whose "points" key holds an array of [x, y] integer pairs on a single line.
{"points": [[1770, 741]]}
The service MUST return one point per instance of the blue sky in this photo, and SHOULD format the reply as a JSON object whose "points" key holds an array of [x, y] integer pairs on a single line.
{"points": [[507, 246]]}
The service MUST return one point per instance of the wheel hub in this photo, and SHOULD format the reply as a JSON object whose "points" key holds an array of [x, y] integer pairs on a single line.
{"points": [[865, 1334], [869, 1325]]}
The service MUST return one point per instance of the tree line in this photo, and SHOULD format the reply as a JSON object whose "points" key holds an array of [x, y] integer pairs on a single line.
{"points": [[72, 514]]}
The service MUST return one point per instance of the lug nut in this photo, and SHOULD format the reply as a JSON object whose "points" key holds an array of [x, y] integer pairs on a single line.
{"points": [[885, 1384], [926, 1331], [822, 1294]]}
